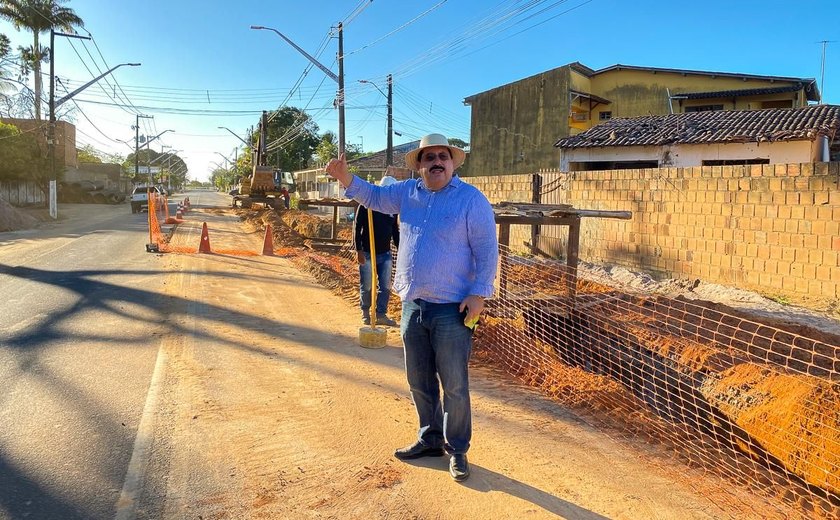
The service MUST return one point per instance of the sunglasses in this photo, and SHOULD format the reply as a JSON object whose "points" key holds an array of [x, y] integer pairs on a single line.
{"points": [[429, 157]]}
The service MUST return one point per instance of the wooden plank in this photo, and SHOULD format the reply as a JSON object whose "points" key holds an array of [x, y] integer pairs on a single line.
{"points": [[572, 251], [504, 240]]}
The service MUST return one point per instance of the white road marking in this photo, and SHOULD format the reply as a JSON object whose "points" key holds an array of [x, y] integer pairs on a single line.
{"points": [[132, 484]]}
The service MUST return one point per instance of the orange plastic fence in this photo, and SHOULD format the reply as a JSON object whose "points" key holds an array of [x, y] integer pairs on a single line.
{"points": [[157, 204], [753, 403], [757, 404]]}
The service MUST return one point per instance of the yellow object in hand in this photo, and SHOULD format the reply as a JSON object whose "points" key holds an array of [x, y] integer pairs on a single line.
{"points": [[471, 324]]}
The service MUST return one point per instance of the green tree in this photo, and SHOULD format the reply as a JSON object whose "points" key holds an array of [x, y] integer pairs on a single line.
{"points": [[292, 139], [169, 163], [88, 154], [327, 149], [38, 16], [21, 158], [222, 179], [459, 143], [5, 48]]}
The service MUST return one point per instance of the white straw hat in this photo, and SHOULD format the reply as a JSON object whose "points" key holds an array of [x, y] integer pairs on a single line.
{"points": [[412, 158]]}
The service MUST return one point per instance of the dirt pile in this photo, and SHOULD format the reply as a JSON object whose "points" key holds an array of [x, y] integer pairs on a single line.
{"points": [[292, 229], [12, 219]]}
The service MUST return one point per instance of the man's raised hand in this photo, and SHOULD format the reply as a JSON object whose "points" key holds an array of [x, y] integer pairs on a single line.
{"points": [[337, 168]]}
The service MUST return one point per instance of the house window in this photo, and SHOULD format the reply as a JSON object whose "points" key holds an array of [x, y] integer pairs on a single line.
{"points": [[703, 108], [611, 165], [604, 116], [782, 103], [735, 162]]}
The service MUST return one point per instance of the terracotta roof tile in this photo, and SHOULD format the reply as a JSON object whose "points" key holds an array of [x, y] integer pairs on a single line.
{"points": [[377, 160], [721, 126]]}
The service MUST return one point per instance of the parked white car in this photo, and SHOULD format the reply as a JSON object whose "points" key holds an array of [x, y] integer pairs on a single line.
{"points": [[140, 198]]}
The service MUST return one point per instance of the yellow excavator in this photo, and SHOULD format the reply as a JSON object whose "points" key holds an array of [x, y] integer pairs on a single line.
{"points": [[266, 185]]}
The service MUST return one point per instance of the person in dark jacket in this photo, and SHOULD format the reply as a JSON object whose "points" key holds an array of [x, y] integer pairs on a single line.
{"points": [[385, 229]]}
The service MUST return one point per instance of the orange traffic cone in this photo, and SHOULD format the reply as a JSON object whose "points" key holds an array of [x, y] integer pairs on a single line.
{"points": [[268, 243], [204, 246]]}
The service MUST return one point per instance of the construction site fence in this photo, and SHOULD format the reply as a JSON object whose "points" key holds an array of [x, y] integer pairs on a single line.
{"points": [[755, 404]]}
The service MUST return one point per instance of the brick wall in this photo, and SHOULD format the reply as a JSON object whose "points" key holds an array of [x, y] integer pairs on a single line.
{"points": [[773, 229], [65, 138]]}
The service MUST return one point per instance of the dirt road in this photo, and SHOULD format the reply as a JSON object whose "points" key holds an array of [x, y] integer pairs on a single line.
{"points": [[267, 408]]}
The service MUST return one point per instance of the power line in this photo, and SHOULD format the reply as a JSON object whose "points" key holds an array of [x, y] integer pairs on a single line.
{"points": [[822, 67], [169, 110], [363, 4], [398, 29]]}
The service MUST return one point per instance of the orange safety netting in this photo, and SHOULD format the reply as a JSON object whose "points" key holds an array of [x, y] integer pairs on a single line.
{"points": [[755, 403]]}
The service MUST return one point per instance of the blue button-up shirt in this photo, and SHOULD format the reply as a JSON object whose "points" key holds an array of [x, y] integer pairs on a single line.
{"points": [[448, 246]]}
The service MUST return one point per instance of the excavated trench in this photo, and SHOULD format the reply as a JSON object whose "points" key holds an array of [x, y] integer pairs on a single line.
{"points": [[753, 392]]}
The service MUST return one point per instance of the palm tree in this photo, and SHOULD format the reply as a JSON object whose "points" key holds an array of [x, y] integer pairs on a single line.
{"points": [[39, 16]]}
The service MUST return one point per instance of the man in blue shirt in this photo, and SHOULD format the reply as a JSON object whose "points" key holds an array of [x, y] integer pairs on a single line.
{"points": [[446, 266]]}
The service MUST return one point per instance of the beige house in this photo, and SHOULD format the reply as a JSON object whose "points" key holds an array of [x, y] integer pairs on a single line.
{"points": [[711, 138], [513, 126]]}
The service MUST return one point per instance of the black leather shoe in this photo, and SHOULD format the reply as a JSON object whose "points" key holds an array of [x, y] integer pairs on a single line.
{"points": [[417, 450], [459, 468]]}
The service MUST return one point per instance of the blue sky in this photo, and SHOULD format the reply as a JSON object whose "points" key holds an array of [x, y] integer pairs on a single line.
{"points": [[203, 67]]}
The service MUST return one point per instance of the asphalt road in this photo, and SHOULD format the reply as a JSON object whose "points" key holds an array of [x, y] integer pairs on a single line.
{"points": [[82, 317]]}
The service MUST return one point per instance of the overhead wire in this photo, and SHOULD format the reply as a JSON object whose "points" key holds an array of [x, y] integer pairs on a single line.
{"points": [[99, 85], [363, 4], [398, 29], [102, 56], [496, 42], [498, 20], [481, 28], [85, 115]]}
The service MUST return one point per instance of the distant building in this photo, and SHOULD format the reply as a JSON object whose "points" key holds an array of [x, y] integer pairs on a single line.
{"points": [[315, 183], [713, 138], [514, 126], [373, 166], [65, 139]]}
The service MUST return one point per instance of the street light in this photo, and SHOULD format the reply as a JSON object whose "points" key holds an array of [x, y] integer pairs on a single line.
{"points": [[246, 143], [227, 161], [148, 149], [53, 105], [389, 152], [168, 155], [338, 79], [91, 82]]}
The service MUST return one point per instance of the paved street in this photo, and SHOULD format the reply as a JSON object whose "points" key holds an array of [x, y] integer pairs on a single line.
{"points": [[81, 320]]}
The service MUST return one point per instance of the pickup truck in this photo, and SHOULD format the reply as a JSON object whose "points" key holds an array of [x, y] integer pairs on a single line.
{"points": [[140, 198]]}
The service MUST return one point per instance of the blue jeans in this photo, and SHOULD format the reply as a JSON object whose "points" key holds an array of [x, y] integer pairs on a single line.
{"points": [[383, 275], [437, 349]]}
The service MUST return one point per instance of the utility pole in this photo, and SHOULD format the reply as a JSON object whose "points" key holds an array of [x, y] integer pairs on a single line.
{"points": [[822, 68], [389, 153], [340, 88], [338, 79], [261, 151], [51, 125], [137, 144]]}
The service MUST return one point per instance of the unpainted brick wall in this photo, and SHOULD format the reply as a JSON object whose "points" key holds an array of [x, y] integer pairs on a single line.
{"points": [[774, 229]]}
